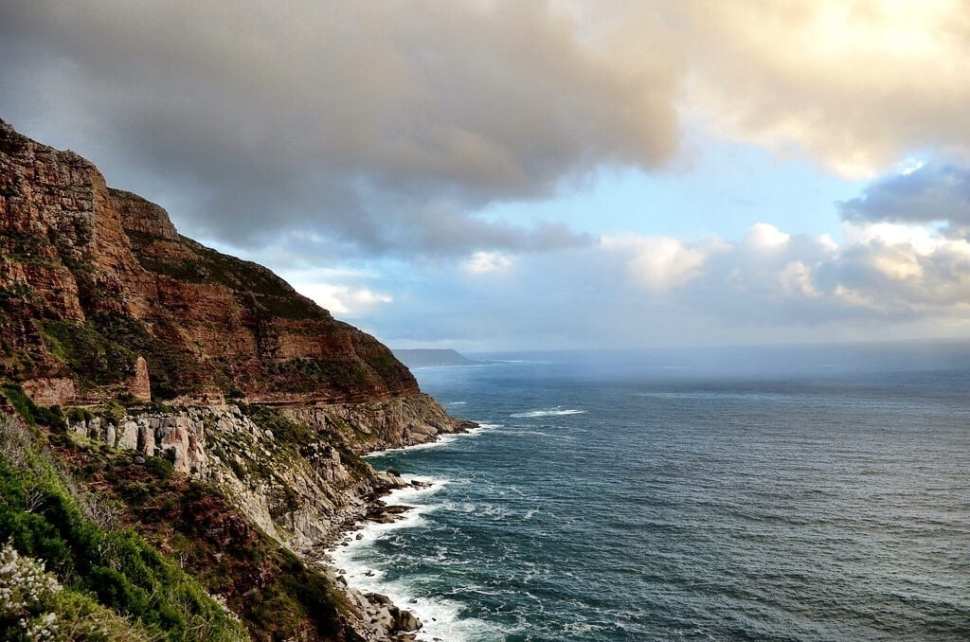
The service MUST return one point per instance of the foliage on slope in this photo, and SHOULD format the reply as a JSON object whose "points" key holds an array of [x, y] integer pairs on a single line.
{"points": [[112, 529], [107, 573]]}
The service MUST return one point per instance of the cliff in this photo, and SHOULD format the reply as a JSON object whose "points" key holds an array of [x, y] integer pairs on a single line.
{"points": [[89, 270], [220, 415]]}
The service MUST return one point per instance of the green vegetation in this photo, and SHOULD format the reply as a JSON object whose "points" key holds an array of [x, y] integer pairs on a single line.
{"points": [[385, 364], [45, 517], [284, 429], [276, 595], [37, 607], [103, 350], [297, 435], [304, 374], [26, 247], [31, 413], [97, 359]]}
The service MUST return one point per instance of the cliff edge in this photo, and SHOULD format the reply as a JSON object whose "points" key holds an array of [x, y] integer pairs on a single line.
{"points": [[87, 270]]}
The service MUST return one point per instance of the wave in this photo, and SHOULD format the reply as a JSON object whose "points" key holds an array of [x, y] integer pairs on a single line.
{"points": [[547, 412], [441, 618], [442, 440], [456, 403]]}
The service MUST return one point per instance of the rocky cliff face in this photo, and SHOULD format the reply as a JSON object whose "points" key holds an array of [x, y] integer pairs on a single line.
{"points": [[166, 353], [293, 474], [93, 280]]}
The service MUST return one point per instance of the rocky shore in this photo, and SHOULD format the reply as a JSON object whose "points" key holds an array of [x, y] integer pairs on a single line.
{"points": [[388, 621], [383, 619], [232, 447]]}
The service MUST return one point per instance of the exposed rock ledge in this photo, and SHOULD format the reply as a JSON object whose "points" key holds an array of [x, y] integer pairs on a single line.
{"points": [[305, 490]]}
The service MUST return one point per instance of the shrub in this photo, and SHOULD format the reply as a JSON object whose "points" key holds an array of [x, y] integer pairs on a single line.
{"points": [[159, 467], [34, 607], [41, 518]]}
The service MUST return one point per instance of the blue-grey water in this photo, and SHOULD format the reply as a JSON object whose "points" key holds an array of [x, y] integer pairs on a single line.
{"points": [[625, 499]]}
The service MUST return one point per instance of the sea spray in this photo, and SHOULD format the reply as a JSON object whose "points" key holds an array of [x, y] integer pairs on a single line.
{"points": [[441, 618]]}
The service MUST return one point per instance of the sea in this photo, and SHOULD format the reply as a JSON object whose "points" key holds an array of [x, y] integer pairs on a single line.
{"points": [[782, 493]]}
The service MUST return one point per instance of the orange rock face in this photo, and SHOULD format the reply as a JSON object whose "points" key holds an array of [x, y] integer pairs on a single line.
{"points": [[99, 293]]}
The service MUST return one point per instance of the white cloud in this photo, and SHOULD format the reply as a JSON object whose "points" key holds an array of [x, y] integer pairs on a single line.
{"points": [[341, 299], [766, 237], [859, 85], [796, 279], [485, 262], [922, 239], [767, 286], [659, 263]]}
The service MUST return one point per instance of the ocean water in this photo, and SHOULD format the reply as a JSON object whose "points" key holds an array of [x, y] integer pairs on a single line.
{"points": [[639, 498]]}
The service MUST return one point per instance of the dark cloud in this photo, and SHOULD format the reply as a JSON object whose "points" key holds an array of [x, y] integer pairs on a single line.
{"points": [[381, 125], [932, 193]]}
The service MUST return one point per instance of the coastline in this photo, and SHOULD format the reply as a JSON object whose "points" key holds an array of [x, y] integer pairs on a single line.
{"points": [[403, 617]]}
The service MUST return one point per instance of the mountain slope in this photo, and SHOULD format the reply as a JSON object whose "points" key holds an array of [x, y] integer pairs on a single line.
{"points": [[187, 410], [89, 270]]}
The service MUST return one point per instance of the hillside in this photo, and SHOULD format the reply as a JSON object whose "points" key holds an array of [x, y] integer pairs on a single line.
{"points": [[90, 270], [181, 431]]}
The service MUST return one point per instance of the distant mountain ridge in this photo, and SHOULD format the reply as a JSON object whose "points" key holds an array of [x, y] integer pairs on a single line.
{"points": [[427, 357]]}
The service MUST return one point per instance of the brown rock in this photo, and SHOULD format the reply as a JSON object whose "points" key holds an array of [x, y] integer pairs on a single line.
{"points": [[57, 391], [85, 268], [139, 386]]}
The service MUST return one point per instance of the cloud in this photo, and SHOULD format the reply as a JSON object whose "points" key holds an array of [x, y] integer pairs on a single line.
{"points": [[766, 237], [928, 194], [858, 85], [339, 290], [380, 125], [658, 263], [384, 127], [484, 262], [339, 133], [645, 290]]}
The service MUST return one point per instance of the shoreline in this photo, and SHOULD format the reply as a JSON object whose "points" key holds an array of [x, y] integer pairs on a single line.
{"points": [[387, 511]]}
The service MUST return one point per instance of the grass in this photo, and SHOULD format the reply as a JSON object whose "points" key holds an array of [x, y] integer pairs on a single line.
{"points": [[31, 413]]}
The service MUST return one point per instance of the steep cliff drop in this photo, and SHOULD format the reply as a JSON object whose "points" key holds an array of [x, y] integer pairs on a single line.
{"points": [[140, 358]]}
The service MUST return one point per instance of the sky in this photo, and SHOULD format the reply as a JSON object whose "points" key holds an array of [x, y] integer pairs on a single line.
{"points": [[491, 175]]}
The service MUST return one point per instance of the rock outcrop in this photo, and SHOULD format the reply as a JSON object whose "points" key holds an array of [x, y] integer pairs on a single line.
{"points": [[303, 486]]}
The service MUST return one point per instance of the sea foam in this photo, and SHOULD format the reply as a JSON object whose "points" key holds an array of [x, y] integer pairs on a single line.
{"points": [[441, 617], [443, 440], [547, 412]]}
